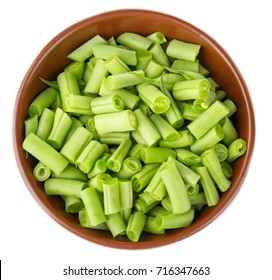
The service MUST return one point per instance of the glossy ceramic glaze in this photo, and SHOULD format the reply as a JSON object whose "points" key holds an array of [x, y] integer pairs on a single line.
{"points": [[52, 60]]}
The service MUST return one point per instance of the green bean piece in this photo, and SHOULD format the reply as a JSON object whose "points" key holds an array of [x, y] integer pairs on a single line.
{"points": [[76, 143], [129, 167], [230, 132], [61, 125], [31, 124], [116, 224], [198, 200], [93, 206], [76, 123], [88, 69], [221, 151], [187, 157], [176, 188], [153, 69], [188, 112], [114, 65], [146, 128], [209, 188], [142, 178], [78, 104], [227, 169], [52, 84], [173, 114], [135, 151], [85, 50], [231, 106], [154, 98], [210, 160], [90, 154], [45, 123], [185, 139], [165, 129], [209, 139], [114, 138], [156, 187], [188, 175], [77, 68], [157, 37], [200, 105], [96, 181], [106, 51], [182, 50], [148, 200], [44, 100], [143, 59], [156, 154], [151, 226], [94, 83], [236, 149], [123, 80], [115, 122], [192, 190], [126, 194], [88, 121], [64, 187], [135, 226], [72, 204], [107, 104], [159, 55], [85, 222], [99, 167], [43, 152], [171, 221], [145, 205], [41, 172], [111, 196], [166, 204], [72, 173], [181, 64], [138, 138], [156, 211], [191, 89], [130, 99], [68, 84], [208, 119], [169, 80], [115, 162], [134, 41]]}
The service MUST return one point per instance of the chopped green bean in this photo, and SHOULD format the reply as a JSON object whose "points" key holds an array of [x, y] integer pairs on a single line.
{"points": [[115, 122], [134, 41], [176, 188], [135, 226], [43, 152], [182, 50], [64, 187], [93, 206], [210, 160], [44, 100], [41, 172], [236, 149], [106, 51]]}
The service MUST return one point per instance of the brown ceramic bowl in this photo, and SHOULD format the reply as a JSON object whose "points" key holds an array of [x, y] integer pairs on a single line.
{"points": [[52, 60]]}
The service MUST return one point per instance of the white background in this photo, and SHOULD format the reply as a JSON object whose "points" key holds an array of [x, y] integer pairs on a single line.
{"points": [[237, 245]]}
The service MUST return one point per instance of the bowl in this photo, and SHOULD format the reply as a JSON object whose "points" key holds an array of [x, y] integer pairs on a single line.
{"points": [[52, 60]]}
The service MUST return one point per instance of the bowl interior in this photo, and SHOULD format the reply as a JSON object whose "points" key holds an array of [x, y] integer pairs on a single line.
{"points": [[52, 60]]}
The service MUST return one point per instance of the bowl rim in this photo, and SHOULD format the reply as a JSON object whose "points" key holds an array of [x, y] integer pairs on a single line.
{"points": [[114, 243]]}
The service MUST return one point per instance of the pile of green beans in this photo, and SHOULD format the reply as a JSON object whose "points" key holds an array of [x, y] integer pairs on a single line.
{"points": [[134, 135]]}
